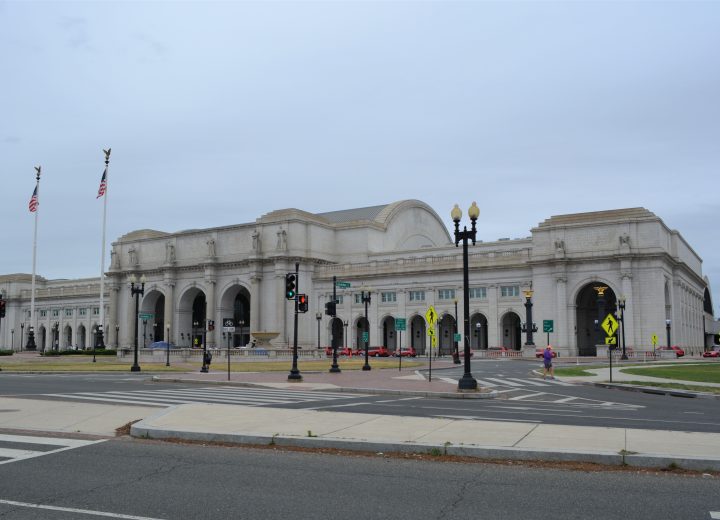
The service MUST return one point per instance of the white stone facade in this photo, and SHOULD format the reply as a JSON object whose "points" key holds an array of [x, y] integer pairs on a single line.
{"points": [[403, 254]]}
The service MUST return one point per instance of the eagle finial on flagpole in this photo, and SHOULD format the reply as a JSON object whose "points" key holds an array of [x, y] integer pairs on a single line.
{"points": [[107, 154], [37, 169]]}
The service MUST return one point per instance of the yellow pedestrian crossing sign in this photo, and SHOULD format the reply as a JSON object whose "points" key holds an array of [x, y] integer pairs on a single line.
{"points": [[431, 316], [653, 338], [610, 325]]}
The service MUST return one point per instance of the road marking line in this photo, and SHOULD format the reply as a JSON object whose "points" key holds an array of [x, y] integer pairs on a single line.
{"points": [[449, 380], [476, 418], [74, 510], [334, 406], [714, 514], [566, 400], [485, 383], [526, 396], [50, 441], [503, 382], [528, 381]]}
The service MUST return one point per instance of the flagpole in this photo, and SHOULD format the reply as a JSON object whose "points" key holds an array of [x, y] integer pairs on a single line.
{"points": [[100, 343], [31, 332]]}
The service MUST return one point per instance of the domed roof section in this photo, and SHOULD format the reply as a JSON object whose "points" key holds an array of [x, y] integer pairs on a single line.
{"points": [[141, 234]]}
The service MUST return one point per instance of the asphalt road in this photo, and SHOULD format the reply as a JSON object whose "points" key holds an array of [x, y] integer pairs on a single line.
{"points": [[155, 480], [582, 405]]}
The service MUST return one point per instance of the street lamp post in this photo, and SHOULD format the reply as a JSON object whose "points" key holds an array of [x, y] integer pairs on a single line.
{"points": [[94, 343], [137, 292], [318, 317], [456, 351], [12, 339], [56, 337], [154, 334], [467, 382], [22, 335], [117, 336], [365, 298], [167, 340], [144, 332], [345, 324], [667, 329], [529, 327], [601, 312], [621, 304]]}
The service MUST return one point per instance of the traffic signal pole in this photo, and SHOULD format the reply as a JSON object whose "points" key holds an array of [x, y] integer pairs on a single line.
{"points": [[334, 368], [294, 372]]}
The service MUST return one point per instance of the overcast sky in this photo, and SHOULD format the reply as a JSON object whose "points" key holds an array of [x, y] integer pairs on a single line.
{"points": [[218, 112]]}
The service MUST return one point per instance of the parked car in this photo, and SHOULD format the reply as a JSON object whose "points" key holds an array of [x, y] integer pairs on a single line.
{"points": [[498, 350], [715, 352], [160, 344], [539, 352], [345, 351], [678, 351], [405, 352], [378, 352]]}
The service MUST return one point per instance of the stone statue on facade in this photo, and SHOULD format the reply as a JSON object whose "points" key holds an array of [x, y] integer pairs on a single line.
{"points": [[114, 261], [281, 240], [624, 241], [559, 248], [211, 247], [256, 245], [169, 252], [132, 253]]}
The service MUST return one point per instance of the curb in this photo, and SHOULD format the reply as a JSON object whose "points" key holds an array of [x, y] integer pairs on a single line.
{"points": [[658, 390], [492, 394], [139, 430]]}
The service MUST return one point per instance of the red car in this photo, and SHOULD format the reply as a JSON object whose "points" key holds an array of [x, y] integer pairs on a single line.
{"points": [[715, 352], [341, 351], [678, 351], [378, 352], [539, 353], [405, 352]]}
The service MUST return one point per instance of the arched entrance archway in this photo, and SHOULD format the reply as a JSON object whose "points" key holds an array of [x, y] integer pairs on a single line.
{"points": [[417, 334], [361, 325], [191, 317], [446, 331], [511, 333], [336, 333], [589, 308], [235, 304], [389, 333], [153, 303], [67, 337], [80, 337], [42, 337], [478, 332]]}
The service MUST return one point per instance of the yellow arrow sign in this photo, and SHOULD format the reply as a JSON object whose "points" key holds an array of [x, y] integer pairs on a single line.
{"points": [[610, 325], [431, 316], [431, 332], [653, 338], [611, 340]]}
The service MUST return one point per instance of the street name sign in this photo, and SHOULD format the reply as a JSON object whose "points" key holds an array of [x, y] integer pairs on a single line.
{"points": [[146, 316], [343, 285], [457, 337]]}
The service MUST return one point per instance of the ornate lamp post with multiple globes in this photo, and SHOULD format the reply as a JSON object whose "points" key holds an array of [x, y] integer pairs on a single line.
{"points": [[528, 327], [136, 292], [467, 382]]}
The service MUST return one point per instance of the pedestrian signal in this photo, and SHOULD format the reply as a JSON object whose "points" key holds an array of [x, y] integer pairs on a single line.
{"points": [[302, 303], [330, 308]]}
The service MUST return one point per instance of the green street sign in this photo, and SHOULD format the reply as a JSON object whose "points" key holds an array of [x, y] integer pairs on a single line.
{"points": [[457, 337], [400, 324], [547, 325], [343, 285], [146, 316], [365, 336]]}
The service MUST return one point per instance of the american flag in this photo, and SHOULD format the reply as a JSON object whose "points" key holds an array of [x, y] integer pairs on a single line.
{"points": [[103, 185], [33, 201]]}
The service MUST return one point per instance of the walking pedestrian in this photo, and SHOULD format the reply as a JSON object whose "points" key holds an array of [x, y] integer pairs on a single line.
{"points": [[547, 362]]}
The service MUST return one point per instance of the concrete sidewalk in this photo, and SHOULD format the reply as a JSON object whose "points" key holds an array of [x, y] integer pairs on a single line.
{"points": [[437, 435]]}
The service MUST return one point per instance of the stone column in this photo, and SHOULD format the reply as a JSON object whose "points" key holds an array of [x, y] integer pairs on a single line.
{"points": [[128, 336], [169, 315], [629, 312], [493, 326], [280, 324], [111, 341], [562, 325], [210, 311], [255, 290]]}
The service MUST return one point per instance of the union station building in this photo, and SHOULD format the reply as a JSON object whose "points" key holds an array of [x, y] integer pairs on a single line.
{"points": [[404, 256]]}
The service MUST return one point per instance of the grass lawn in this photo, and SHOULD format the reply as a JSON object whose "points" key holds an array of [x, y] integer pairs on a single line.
{"points": [[702, 373], [675, 386], [85, 364]]}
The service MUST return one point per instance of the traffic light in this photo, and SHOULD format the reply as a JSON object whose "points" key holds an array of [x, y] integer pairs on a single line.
{"points": [[302, 303], [290, 286], [330, 309], [2, 307]]}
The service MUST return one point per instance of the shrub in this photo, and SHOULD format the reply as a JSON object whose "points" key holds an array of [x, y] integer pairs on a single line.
{"points": [[6, 352]]}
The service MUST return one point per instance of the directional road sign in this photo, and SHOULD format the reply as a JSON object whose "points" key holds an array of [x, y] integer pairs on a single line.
{"points": [[431, 316], [610, 325], [457, 337], [365, 336], [400, 324], [548, 325]]}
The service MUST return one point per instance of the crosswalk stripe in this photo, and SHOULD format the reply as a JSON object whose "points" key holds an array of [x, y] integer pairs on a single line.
{"points": [[14, 454], [528, 381], [485, 383], [565, 400], [526, 396], [559, 383], [504, 382], [197, 396], [449, 380]]}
